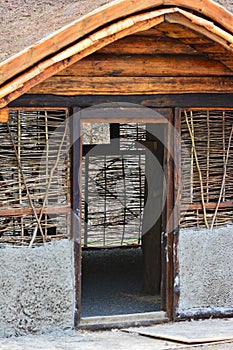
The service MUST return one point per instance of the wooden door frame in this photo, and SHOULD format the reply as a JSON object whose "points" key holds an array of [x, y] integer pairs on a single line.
{"points": [[168, 267]]}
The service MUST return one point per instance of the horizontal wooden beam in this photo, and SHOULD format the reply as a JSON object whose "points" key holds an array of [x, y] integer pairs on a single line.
{"points": [[29, 211], [176, 100], [130, 85], [196, 206], [101, 65], [149, 45]]}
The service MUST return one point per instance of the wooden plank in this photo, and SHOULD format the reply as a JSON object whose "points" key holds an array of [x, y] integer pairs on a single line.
{"points": [[29, 211], [154, 32], [146, 44], [214, 100], [176, 30], [197, 332], [211, 47], [97, 18], [201, 40], [101, 65], [129, 85]]}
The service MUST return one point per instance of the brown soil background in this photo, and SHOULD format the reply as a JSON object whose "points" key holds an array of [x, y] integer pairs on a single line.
{"points": [[24, 22]]}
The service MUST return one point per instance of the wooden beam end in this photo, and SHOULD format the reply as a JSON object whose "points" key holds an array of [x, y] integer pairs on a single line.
{"points": [[4, 115]]}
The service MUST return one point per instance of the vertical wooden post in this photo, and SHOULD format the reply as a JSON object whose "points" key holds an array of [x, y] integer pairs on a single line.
{"points": [[86, 208], [169, 221], [176, 210], [151, 238], [76, 204]]}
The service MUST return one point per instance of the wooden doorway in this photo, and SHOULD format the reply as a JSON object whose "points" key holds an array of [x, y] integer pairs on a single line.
{"points": [[147, 238]]}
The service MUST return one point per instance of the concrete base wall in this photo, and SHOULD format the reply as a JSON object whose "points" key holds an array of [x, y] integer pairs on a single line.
{"points": [[206, 269], [36, 289]]}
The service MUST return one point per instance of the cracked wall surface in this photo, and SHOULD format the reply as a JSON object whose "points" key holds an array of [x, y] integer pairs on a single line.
{"points": [[206, 268], [36, 289]]}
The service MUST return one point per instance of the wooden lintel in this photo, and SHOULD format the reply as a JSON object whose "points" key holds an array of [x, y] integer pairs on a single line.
{"points": [[201, 100]]}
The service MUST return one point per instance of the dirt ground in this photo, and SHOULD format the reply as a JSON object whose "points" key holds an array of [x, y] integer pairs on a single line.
{"points": [[114, 340], [24, 22], [127, 339]]}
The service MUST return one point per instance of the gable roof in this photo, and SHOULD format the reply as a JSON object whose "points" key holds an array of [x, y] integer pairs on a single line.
{"points": [[23, 23], [101, 27]]}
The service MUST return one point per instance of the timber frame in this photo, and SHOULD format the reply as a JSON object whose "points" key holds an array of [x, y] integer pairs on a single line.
{"points": [[27, 79], [170, 292]]}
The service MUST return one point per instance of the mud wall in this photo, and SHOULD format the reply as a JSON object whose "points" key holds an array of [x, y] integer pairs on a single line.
{"points": [[206, 269], [36, 289]]}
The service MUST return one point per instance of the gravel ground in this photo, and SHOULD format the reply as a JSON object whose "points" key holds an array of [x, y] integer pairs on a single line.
{"points": [[112, 283]]}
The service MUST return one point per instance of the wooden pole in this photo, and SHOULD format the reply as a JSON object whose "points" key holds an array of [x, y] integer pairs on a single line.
{"points": [[177, 202], [76, 205]]}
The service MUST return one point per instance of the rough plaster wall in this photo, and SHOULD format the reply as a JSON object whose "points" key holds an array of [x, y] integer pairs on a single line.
{"points": [[36, 289], [206, 268]]}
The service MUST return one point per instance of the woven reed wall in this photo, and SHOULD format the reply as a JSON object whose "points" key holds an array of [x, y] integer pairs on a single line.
{"points": [[207, 168], [34, 177], [113, 189]]}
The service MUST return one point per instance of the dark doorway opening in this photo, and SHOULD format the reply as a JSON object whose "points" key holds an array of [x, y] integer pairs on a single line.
{"points": [[123, 218]]}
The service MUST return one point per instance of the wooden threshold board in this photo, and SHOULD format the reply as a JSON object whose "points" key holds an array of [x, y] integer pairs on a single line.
{"points": [[123, 320]]}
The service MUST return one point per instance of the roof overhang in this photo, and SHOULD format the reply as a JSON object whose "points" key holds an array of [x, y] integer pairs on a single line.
{"points": [[121, 18]]}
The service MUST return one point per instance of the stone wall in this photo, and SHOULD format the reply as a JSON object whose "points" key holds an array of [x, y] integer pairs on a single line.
{"points": [[206, 269], [36, 289]]}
